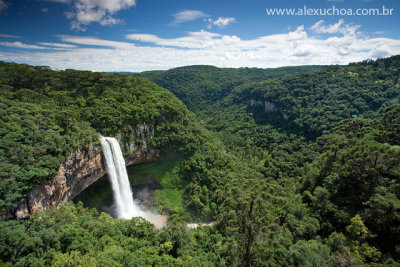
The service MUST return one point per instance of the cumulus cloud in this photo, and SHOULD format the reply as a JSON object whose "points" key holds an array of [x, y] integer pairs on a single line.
{"points": [[187, 15], [84, 12], [220, 22], [149, 52]]}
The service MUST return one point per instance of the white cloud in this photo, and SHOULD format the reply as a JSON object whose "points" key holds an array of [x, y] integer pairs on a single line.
{"points": [[3, 6], [202, 39], [84, 12], [222, 22], [21, 45], [42, 45], [296, 47], [338, 27], [60, 45], [95, 42], [2, 35], [187, 15], [45, 10], [380, 50]]}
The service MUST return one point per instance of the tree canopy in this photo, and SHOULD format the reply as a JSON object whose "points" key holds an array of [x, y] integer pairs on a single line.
{"points": [[296, 166]]}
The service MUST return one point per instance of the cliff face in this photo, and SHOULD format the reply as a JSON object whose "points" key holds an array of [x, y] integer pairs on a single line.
{"points": [[268, 106], [81, 169], [77, 172]]}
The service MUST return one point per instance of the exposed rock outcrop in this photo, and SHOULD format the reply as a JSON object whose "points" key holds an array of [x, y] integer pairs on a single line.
{"points": [[254, 102], [81, 169], [77, 172], [268, 106]]}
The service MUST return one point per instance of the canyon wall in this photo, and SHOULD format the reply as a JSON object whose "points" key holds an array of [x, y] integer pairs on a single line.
{"points": [[268, 106], [82, 168]]}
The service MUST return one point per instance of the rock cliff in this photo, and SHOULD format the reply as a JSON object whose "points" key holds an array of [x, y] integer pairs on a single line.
{"points": [[268, 106], [81, 169]]}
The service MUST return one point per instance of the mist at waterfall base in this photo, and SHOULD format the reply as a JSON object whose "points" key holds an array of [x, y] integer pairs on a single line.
{"points": [[124, 205]]}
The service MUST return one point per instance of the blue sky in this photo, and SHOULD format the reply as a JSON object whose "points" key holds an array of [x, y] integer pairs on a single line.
{"points": [[137, 35]]}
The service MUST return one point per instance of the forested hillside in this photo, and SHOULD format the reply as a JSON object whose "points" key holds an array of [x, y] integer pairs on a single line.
{"points": [[295, 166], [47, 114], [273, 125], [313, 103], [201, 86]]}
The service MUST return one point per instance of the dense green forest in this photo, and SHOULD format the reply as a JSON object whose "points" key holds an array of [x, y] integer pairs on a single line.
{"points": [[46, 114], [312, 181], [201, 86], [285, 143]]}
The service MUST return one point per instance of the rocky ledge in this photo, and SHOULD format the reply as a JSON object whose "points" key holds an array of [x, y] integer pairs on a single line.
{"points": [[81, 169]]}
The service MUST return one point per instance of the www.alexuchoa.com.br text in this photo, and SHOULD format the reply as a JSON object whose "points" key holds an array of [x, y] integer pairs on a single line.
{"points": [[331, 11]]}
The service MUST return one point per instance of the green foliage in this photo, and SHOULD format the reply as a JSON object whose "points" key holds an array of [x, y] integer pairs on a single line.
{"points": [[265, 221], [310, 253], [32, 145], [353, 249], [304, 184], [201, 86], [358, 234], [210, 92], [46, 114], [352, 169], [316, 102], [167, 171], [74, 258], [391, 123], [74, 236], [357, 174]]}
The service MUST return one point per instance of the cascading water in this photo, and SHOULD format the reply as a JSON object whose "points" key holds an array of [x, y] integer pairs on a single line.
{"points": [[115, 164]]}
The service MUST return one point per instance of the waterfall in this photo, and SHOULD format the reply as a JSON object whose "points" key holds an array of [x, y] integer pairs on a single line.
{"points": [[115, 164]]}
